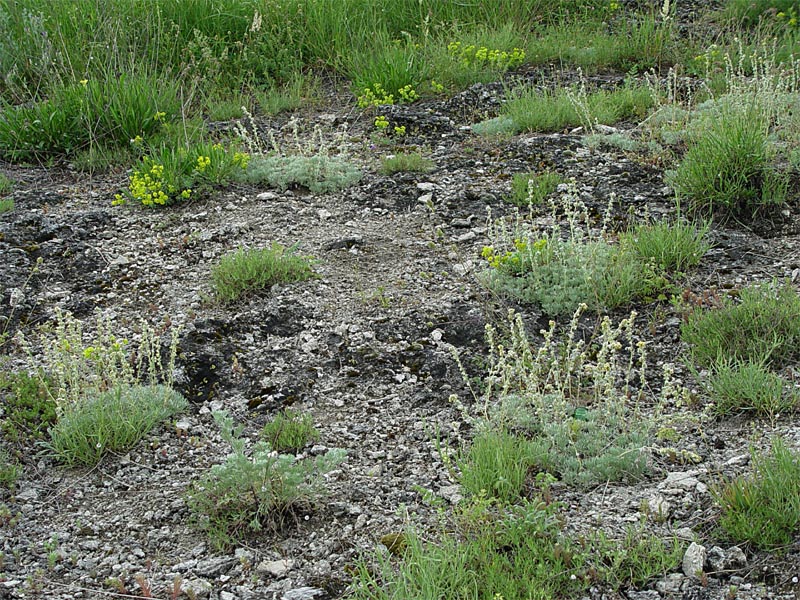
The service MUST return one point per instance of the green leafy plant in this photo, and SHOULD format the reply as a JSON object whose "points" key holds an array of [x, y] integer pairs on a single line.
{"points": [[320, 174], [74, 363], [245, 493], [558, 273], [9, 471], [320, 164], [635, 559], [532, 187], [730, 167], [6, 205], [289, 431], [763, 509], [533, 110], [298, 91], [109, 111], [412, 162], [520, 553], [111, 421], [557, 411], [750, 12], [494, 59], [6, 185], [512, 552], [29, 409], [762, 327], [496, 465], [249, 270], [170, 174]]}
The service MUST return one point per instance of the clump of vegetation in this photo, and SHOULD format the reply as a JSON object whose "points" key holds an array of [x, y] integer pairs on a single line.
{"points": [[672, 246], [412, 162], [6, 185], [764, 509], [290, 431], [29, 409], [111, 421], [553, 410], [246, 271], [533, 110], [742, 343], [739, 386], [558, 273], [741, 168], [320, 174], [108, 393], [513, 552], [533, 188], [9, 471], [106, 112], [752, 12], [730, 167], [321, 165], [169, 174], [763, 326], [495, 127], [251, 490]]}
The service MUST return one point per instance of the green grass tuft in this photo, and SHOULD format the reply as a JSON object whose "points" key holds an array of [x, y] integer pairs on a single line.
{"points": [[672, 246], [533, 188], [112, 421], [764, 509], [245, 271], [289, 431], [412, 162], [763, 327]]}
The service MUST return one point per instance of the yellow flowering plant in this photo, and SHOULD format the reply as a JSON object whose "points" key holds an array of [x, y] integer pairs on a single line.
{"points": [[167, 175], [378, 96], [481, 57]]}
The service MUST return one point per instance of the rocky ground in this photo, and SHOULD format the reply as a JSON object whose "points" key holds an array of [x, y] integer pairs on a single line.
{"points": [[365, 348]]}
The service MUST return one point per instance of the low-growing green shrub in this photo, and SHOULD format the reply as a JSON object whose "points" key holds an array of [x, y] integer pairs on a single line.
{"points": [[6, 205], [532, 187], [6, 185], [673, 246], [112, 421], [476, 54], [745, 385], [520, 553], [168, 174], [298, 91], [495, 127], [750, 12], [763, 509], [554, 410], [248, 492], [320, 174], [29, 410], [289, 431], [9, 471], [406, 162], [559, 273], [245, 271], [513, 552], [496, 464], [763, 327], [634, 560]]}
